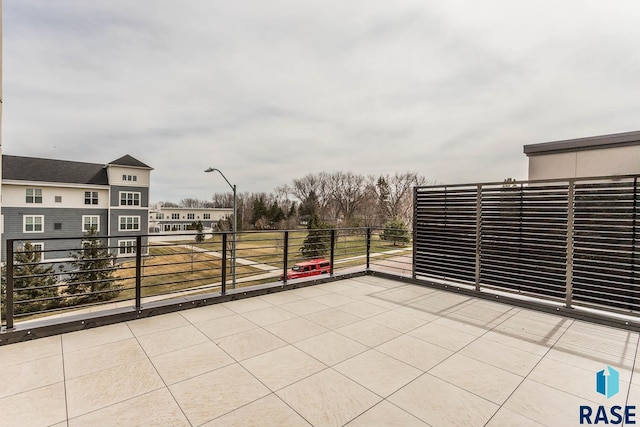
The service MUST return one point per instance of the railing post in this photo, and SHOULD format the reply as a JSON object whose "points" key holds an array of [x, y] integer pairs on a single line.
{"points": [[332, 256], [138, 272], [285, 257], [569, 272], [368, 247], [478, 233], [9, 300], [414, 232], [223, 280]]}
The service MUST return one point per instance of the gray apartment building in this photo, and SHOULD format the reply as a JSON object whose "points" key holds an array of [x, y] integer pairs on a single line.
{"points": [[47, 198]]}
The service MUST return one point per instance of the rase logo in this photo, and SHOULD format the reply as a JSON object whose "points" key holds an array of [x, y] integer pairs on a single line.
{"points": [[607, 384]]}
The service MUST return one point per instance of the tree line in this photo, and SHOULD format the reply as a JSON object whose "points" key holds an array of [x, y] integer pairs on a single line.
{"points": [[342, 199]]}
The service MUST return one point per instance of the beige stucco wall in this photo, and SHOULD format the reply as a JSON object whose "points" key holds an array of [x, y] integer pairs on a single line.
{"points": [[602, 162]]}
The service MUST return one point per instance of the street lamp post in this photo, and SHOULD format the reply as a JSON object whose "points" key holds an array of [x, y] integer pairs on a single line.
{"points": [[235, 226]]}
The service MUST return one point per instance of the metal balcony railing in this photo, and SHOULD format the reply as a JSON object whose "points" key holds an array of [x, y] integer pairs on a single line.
{"points": [[55, 279]]}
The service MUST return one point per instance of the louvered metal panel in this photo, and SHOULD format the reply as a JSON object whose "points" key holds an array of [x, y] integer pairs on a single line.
{"points": [[445, 230], [523, 238], [569, 240], [605, 252]]}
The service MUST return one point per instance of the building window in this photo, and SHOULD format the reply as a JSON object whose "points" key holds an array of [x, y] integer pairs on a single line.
{"points": [[135, 178], [58, 199], [126, 247], [57, 226], [175, 216], [159, 216], [34, 195], [206, 216], [191, 216], [129, 199], [38, 248], [90, 197], [129, 223], [33, 223], [129, 178], [90, 222]]}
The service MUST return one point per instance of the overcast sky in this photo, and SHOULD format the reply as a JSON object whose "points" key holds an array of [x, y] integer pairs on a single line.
{"points": [[270, 90]]}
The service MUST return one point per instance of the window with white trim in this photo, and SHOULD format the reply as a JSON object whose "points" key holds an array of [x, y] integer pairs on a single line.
{"points": [[33, 223], [129, 198], [34, 195], [38, 248], [129, 223], [90, 197], [89, 222], [126, 247], [159, 216], [206, 216], [175, 216], [191, 216]]}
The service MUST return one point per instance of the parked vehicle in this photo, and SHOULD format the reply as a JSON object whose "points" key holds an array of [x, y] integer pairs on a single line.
{"points": [[312, 267]]}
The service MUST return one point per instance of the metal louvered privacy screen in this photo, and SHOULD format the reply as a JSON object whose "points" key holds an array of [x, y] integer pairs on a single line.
{"points": [[572, 240]]}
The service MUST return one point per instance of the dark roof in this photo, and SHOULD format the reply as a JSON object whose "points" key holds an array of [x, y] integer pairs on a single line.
{"points": [[50, 170], [129, 161], [581, 144]]}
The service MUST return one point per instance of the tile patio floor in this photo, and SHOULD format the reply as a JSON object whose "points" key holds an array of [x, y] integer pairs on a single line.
{"points": [[359, 352]]}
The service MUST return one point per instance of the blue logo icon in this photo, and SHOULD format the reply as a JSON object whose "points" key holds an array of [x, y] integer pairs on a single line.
{"points": [[608, 382]]}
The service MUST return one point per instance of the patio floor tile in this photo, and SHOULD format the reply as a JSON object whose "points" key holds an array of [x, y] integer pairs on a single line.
{"points": [[385, 353], [216, 393], [268, 411], [296, 329], [481, 379], [43, 406], [378, 372], [444, 404], [330, 348], [31, 375], [386, 414], [282, 367], [415, 352], [96, 358], [171, 340], [368, 333], [328, 398], [251, 343], [109, 386], [96, 336], [190, 362], [157, 408]]}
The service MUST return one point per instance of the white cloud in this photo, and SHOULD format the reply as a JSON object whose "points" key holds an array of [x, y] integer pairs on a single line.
{"points": [[270, 91]]}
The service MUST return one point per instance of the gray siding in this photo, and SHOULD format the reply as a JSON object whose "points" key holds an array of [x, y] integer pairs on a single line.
{"points": [[115, 221], [70, 234], [115, 195]]}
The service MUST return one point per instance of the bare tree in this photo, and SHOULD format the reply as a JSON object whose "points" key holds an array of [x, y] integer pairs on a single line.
{"points": [[348, 191], [395, 195], [192, 203]]}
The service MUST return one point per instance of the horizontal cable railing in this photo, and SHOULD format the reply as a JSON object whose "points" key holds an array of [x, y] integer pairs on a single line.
{"points": [[62, 277]]}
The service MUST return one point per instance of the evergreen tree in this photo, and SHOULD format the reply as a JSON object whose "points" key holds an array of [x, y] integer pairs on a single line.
{"points": [[395, 231], [275, 213], [318, 240], [94, 278], [200, 235], [309, 207], [35, 284], [259, 210]]}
